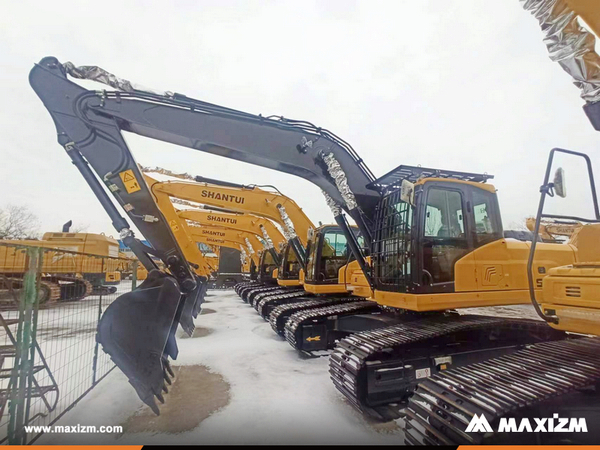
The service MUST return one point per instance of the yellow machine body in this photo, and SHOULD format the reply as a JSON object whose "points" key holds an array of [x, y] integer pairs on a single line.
{"points": [[216, 236], [12, 259], [572, 292], [492, 275]]}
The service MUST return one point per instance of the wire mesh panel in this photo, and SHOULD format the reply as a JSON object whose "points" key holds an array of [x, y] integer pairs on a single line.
{"points": [[13, 265], [63, 361], [391, 244]]}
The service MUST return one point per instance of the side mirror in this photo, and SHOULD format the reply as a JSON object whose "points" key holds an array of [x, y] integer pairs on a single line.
{"points": [[407, 192], [560, 187]]}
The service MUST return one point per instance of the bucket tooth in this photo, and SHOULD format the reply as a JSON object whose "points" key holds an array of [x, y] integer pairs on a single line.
{"points": [[166, 377], [171, 349], [167, 366], [165, 389], [135, 329], [160, 398]]}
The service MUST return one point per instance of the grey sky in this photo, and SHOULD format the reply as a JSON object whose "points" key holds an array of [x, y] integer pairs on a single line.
{"points": [[455, 84]]}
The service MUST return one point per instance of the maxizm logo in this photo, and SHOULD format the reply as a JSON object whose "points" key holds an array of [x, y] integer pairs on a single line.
{"points": [[555, 424]]}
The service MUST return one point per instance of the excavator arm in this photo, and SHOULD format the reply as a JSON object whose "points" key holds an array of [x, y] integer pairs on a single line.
{"points": [[240, 222], [179, 228], [254, 226], [208, 220], [233, 197], [218, 234], [237, 244], [92, 122]]}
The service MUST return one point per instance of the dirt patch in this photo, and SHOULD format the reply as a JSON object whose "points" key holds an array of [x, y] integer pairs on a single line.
{"points": [[386, 427], [198, 332], [195, 394], [207, 311]]}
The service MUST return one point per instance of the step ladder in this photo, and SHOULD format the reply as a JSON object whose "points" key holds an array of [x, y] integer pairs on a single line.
{"points": [[12, 365]]}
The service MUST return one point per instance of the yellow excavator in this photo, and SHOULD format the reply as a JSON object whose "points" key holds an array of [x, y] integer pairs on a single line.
{"points": [[332, 277], [70, 275], [237, 243], [540, 380], [434, 238], [212, 227], [269, 204], [256, 244], [553, 230]]}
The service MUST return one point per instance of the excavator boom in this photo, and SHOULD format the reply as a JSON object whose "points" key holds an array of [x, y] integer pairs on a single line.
{"points": [[242, 199], [240, 222]]}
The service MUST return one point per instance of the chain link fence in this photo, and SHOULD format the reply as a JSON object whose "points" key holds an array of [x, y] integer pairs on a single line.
{"points": [[50, 304]]}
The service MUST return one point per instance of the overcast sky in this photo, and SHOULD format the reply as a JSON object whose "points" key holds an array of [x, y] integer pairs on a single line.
{"points": [[455, 84]]}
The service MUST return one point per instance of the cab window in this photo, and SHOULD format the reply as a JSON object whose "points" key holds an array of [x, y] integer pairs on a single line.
{"points": [[444, 215], [268, 264], [290, 266], [486, 229], [334, 255]]}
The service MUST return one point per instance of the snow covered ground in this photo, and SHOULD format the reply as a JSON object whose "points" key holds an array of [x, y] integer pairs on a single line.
{"points": [[276, 396]]}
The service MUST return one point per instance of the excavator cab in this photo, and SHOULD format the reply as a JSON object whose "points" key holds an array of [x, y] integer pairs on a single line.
{"points": [[253, 271], [289, 266], [269, 261], [420, 237], [328, 252]]}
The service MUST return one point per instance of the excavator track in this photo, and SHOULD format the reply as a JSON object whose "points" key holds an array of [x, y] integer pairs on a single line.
{"points": [[71, 288], [265, 305], [515, 385], [241, 289], [280, 315], [378, 370], [312, 330], [244, 284], [254, 299], [245, 290], [249, 294], [49, 292]]}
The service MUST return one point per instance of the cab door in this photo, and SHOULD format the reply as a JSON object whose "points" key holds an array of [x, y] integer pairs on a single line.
{"points": [[444, 234]]}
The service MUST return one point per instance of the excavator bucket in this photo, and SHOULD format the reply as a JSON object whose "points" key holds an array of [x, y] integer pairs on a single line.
{"points": [[137, 331]]}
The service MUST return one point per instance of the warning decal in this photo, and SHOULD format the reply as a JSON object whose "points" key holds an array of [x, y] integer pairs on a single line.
{"points": [[174, 225], [130, 182]]}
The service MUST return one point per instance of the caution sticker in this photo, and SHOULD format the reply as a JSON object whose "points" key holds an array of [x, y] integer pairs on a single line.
{"points": [[174, 225], [130, 182]]}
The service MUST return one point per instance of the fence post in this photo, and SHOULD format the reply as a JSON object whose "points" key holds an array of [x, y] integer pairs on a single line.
{"points": [[23, 364], [95, 360], [134, 275], [36, 310]]}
